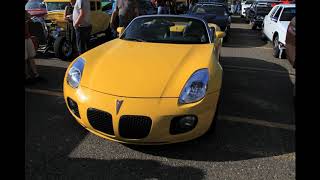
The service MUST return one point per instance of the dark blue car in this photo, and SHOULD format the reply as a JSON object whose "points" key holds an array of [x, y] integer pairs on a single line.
{"points": [[216, 13]]}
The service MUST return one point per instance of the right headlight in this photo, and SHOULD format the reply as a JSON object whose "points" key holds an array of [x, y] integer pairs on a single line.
{"points": [[75, 73], [196, 87]]}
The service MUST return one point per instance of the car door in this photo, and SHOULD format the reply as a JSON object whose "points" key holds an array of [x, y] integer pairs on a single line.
{"points": [[274, 22], [267, 22]]}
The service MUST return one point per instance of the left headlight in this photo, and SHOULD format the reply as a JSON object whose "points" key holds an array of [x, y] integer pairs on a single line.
{"points": [[195, 88], [75, 73]]}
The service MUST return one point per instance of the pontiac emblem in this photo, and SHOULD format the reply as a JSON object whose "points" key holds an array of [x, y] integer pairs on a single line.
{"points": [[118, 105]]}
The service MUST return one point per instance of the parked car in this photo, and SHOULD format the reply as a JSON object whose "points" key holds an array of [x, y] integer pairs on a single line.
{"points": [[244, 6], [257, 11], [100, 24], [275, 27], [122, 91], [36, 8], [107, 4], [215, 13], [291, 43]]}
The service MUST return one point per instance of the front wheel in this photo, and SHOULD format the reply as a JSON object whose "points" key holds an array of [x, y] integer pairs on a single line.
{"points": [[63, 49], [253, 25], [276, 49]]}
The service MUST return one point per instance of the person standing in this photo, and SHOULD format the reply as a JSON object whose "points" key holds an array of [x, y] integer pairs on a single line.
{"points": [[70, 32], [127, 10], [161, 5], [30, 53], [82, 24]]}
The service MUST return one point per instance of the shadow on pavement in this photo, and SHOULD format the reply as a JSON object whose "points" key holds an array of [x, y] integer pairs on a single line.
{"points": [[257, 89], [244, 38], [85, 169], [53, 76], [238, 19], [260, 95]]}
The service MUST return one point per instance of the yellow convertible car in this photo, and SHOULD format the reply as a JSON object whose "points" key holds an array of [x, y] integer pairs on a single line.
{"points": [[158, 83]]}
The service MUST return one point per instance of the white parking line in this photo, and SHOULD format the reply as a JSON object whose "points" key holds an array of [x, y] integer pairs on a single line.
{"points": [[259, 122], [262, 47], [44, 92], [222, 117], [256, 69], [52, 63]]}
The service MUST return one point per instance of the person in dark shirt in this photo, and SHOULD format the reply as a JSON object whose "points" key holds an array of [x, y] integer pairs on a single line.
{"points": [[70, 32], [161, 5], [127, 11]]}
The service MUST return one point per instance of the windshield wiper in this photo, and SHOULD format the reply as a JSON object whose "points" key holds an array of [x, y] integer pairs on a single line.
{"points": [[135, 39]]}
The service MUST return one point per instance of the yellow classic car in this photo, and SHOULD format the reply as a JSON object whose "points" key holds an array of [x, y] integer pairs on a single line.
{"points": [[158, 83], [55, 12]]}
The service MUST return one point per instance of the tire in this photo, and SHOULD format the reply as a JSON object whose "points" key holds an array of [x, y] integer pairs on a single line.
{"points": [[62, 49], [253, 26], [276, 50]]}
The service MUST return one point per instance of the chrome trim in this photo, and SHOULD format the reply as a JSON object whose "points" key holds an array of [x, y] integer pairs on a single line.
{"points": [[118, 105]]}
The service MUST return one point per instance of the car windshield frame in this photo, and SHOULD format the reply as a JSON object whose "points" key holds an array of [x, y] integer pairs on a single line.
{"points": [[56, 4], [146, 20]]}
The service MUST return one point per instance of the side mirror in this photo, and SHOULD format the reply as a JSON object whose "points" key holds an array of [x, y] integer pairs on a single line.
{"points": [[220, 34], [120, 30], [214, 27]]}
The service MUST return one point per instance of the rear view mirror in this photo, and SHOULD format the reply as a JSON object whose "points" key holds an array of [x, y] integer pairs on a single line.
{"points": [[120, 30]]}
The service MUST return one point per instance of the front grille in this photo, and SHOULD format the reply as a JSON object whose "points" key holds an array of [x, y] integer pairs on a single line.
{"points": [[73, 107], [100, 120], [134, 127]]}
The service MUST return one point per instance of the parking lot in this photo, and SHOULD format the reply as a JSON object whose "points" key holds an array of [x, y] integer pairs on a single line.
{"points": [[254, 137]]}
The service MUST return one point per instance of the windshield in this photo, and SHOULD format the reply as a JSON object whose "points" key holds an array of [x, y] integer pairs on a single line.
{"points": [[209, 9], [175, 30], [33, 5], [288, 14], [262, 10], [56, 6], [248, 2]]}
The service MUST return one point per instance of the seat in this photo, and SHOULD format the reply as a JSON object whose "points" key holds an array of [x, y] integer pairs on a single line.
{"points": [[194, 31]]}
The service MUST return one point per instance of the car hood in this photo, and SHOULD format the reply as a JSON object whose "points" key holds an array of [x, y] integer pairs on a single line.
{"points": [[139, 69], [56, 16]]}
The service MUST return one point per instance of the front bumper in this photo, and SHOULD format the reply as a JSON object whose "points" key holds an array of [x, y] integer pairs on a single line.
{"points": [[160, 110]]}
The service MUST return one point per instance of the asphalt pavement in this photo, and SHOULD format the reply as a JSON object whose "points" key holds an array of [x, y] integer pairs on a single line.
{"points": [[254, 137]]}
